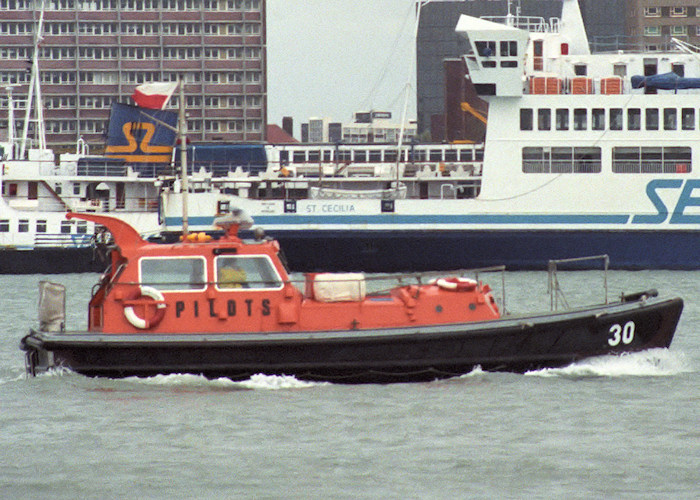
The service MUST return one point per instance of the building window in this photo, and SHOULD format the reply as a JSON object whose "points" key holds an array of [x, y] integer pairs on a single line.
{"points": [[679, 31], [544, 119], [679, 12], [652, 12], [652, 30]]}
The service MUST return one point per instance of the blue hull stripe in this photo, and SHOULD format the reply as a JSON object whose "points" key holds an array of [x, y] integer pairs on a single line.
{"points": [[384, 219]]}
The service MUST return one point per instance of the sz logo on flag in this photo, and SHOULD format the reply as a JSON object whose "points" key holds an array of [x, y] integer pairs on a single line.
{"points": [[137, 136]]}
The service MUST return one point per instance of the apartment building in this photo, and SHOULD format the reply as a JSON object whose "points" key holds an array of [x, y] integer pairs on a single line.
{"points": [[94, 52], [653, 23]]}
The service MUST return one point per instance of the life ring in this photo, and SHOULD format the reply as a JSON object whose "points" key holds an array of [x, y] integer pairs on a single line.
{"points": [[135, 319], [456, 284]]}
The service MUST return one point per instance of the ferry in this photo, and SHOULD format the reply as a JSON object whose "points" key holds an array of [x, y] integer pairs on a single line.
{"points": [[584, 153], [226, 307]]}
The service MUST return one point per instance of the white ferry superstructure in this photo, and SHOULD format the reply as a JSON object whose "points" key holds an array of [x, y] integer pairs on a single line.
{"points": [[575, 162]]}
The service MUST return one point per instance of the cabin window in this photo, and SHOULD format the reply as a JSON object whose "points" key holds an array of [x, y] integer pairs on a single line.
{"points": [[620, 70], [173, 273], [76, 188], [486, 49], [598, 117], [66, 226], [466, 155], [23, 226], [670, 119], [544, 119], [580, 70], [580, 119], [688, 118], [360, 156], [4, 225], [435, 155], [562, 119], [509, 49], [652, 160], [652, 119], [12, 189], [327, 156], [562, 160], [375, 156], [243, 271], [299, 157], [314, 156], [678, 69], [82, 227], [615, 119], [526, 119], [391, 156], [41, 226], [634, 119]]}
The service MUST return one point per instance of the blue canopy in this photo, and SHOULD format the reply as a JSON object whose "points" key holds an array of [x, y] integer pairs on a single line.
{"points": [[665, 81]]}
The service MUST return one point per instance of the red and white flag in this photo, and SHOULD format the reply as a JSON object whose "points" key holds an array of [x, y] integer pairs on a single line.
{"points": [[154, 95]]}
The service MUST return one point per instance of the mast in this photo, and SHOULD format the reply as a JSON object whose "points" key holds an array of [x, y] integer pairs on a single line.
{"points": [[35, 86], [182, 136]]}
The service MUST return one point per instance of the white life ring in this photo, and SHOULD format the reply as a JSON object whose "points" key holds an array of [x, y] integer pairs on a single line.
{"points": [[146, 323], [455, 284]]}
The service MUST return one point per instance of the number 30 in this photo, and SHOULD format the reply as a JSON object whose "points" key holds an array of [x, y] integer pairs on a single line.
{"points": [[621, 334]]}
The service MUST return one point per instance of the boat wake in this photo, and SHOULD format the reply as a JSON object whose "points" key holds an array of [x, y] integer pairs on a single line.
{"points": [[256, 382], [649, 363]]}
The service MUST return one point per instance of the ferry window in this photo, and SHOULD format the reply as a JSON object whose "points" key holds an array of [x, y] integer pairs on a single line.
{"points": [[651, 160], [647, 160], [561, 160], [360, 156], [76, 188], [12, 189], [625, 160], [688, 119], [598, 117], [580, 119], [58, 188], [450, 155], [620, 70], [435, 155], [544, 119], [466, 155], [416, 155], [314, 156], [32, 190], [535, 160], [634, 119], [486, 49], [509, 49], [82, 227], [526, 119], [345, 156], [299, 157], [615, 119], [66, 227], [670, 118], [678, 69], [580, 69], [246, 272], [391, 156], [41, 226], [652, 119], [4, 225], [587, 160], [328, 156], [375, 156], [562, 119], [173, 273], [23, 226]]}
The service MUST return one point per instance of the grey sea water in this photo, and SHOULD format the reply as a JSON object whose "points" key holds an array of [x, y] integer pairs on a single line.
{"points": [[626, 427]]}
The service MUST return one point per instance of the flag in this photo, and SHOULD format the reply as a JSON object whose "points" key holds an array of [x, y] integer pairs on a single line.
{"points": [[154, 95]]}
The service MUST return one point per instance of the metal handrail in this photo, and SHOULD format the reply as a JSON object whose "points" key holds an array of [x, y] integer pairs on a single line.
{"points": [[554, 288]]}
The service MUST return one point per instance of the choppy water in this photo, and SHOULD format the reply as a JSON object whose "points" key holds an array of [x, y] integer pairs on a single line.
{"points": [[614, 427]]}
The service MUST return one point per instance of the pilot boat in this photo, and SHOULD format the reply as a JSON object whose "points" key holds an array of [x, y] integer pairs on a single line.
{"points": [[220, 306]]}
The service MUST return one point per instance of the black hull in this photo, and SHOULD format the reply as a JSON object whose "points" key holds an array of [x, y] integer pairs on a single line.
{"points": [[50, 261], [381, 356]]}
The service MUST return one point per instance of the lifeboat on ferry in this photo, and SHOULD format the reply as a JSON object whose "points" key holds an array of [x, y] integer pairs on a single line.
{"points": [[227, 307]]}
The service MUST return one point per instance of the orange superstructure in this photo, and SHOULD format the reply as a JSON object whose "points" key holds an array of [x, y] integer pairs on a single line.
{"points": [[227, 285]]}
